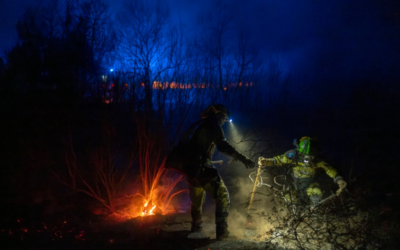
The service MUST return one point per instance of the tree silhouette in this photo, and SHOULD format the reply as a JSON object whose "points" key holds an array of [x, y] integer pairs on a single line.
{"points": [[218, 25], [142, 31]]}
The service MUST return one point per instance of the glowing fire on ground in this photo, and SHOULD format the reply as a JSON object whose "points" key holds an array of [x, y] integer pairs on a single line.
{"points": [[157, 183], [145, 210], [158, 196]]}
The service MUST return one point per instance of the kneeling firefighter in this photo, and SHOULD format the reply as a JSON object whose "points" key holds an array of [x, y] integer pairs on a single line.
{"points": [[304, 164], [202, 137]]}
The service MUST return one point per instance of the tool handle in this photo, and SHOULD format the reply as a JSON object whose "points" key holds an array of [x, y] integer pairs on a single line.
{"points": [[216, 162]]}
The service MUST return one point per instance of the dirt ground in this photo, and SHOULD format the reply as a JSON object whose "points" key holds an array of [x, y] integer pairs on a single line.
{"points": [[99, 232]]}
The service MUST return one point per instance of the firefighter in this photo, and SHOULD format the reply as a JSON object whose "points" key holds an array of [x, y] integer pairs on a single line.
{"points": [[208, 135], [304, 164]]}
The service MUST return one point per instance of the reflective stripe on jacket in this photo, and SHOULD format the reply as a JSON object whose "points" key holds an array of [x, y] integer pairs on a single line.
{"points": [[302, 170]]}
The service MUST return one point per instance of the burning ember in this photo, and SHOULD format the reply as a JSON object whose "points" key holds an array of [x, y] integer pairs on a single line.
{"points": [[145, 211]]}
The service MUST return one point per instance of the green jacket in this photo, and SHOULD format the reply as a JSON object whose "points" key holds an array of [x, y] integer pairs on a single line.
{"points": [[302, 170]]}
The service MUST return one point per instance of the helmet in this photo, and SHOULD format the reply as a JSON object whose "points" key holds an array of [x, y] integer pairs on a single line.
{"points": [[304, 145], [307, 149], [214, 110], [308, 146]]}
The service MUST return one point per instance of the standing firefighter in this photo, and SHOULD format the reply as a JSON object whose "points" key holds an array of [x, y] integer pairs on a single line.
{"points": [[202, 138], [304, 164]]}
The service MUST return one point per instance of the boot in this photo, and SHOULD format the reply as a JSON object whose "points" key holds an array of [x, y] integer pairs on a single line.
{"points": [[196, 232], [197, 221], [221, 221], [222, 233], [196, 227]]}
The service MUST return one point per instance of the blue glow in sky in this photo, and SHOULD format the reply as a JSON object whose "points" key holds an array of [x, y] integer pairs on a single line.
{"points": [[332, 38]]}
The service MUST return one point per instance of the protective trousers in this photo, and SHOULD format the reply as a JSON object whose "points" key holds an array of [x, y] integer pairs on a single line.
{"points": [[217, 189], [306, 188]]}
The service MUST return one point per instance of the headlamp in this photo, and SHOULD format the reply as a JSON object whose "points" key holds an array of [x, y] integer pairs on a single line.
{"points": [[308, 158], [226, 118]]}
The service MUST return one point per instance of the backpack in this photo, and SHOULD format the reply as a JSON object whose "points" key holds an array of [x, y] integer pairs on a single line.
{"points": [[186, 158]]}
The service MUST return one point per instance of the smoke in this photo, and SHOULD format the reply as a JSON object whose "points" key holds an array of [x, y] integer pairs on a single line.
{"points": [[253, 222], [238, 213]]}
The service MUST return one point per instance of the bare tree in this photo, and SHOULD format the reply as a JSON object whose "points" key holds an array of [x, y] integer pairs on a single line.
{"points": [[245, 54], [142, 27], [50, 19], [218, 25], [71, 10], [95, 21], [96, 17]]}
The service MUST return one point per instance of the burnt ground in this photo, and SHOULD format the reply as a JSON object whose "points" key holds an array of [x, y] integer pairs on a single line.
{"points": [[46, 226], [78, 224], [89, 231]]}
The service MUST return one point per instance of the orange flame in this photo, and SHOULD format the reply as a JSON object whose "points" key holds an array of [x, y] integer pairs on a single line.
{"points": [[152, 195], [145, 212]]}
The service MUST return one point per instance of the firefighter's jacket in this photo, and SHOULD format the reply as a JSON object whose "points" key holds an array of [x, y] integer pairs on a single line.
{"points": [[302, 170], [207, 134]]}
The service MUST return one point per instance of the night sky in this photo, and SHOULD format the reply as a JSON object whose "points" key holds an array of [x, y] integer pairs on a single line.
{"points": [[323, 68], [330, 39]]}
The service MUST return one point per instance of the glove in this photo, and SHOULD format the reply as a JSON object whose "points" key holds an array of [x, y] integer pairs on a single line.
{"points": [[248, 163], [268, 162], [245, 160], [342, 185]]}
